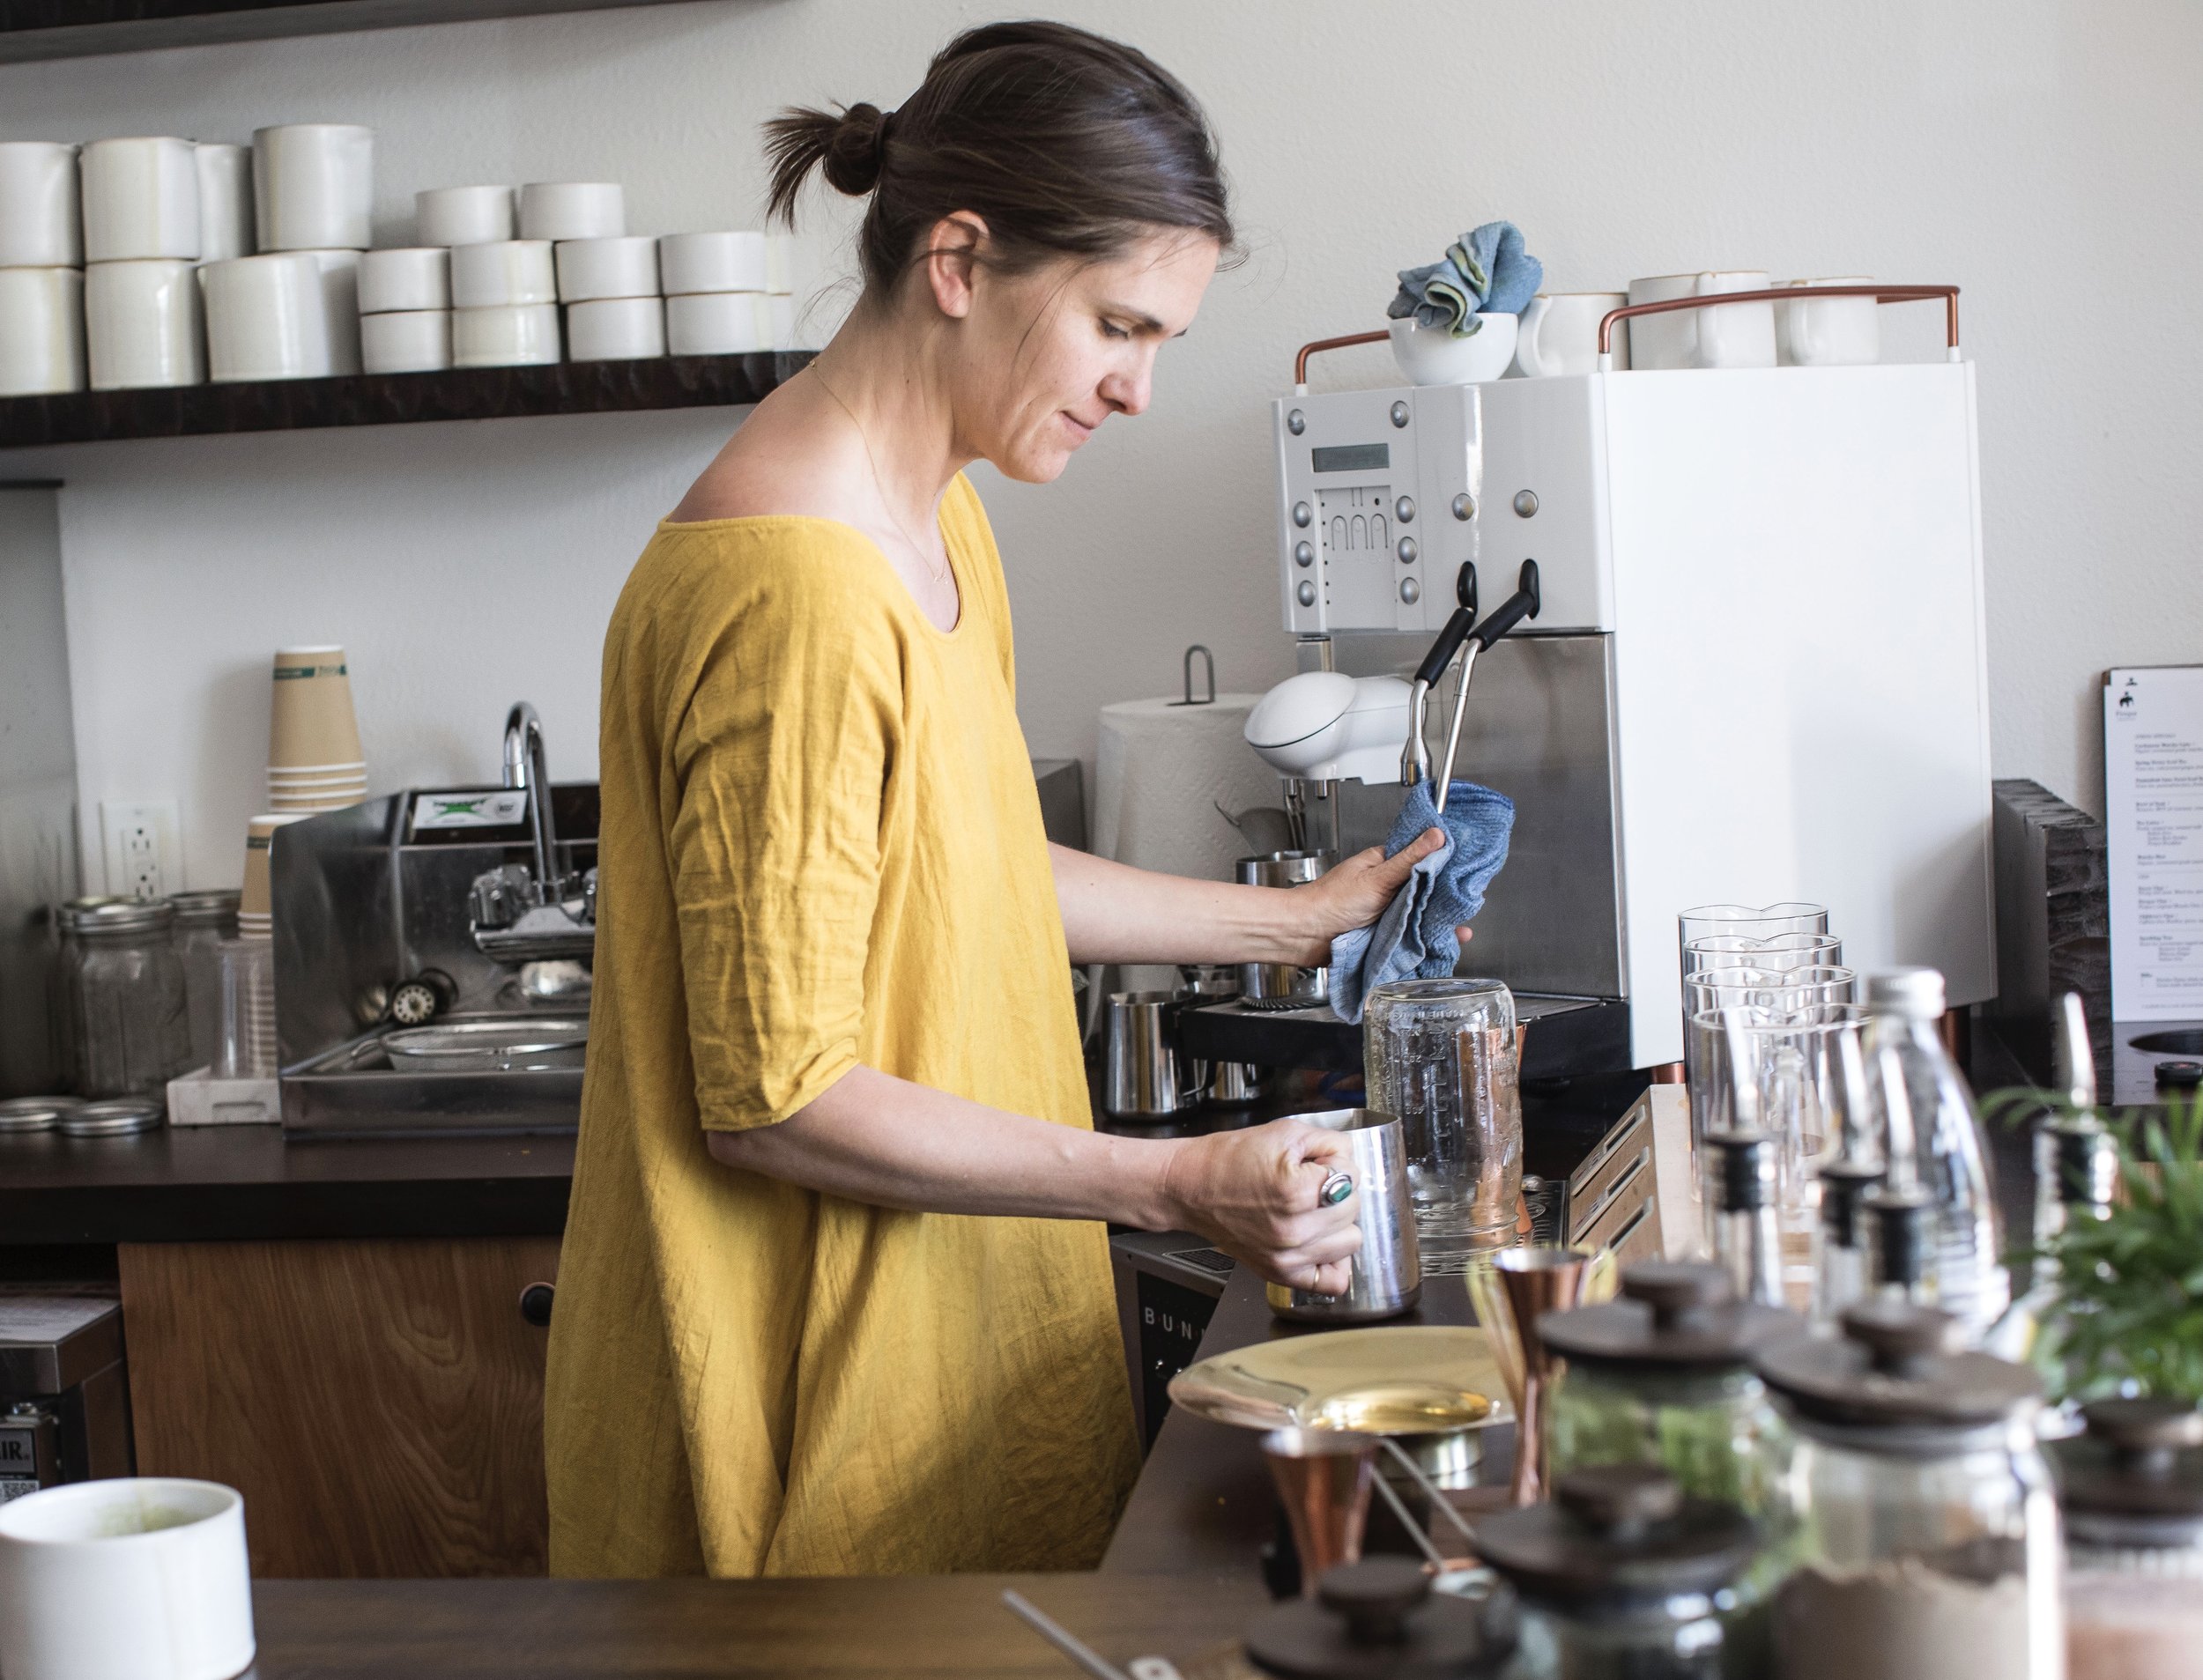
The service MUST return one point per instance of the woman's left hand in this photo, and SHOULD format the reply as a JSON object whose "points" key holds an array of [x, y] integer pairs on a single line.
{"points": [[1356, 892]]}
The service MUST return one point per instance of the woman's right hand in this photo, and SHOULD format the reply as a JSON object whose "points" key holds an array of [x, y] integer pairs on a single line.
{"points": [[1254, 1194]]}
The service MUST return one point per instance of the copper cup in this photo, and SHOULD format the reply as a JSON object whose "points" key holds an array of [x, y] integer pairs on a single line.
{"points": [[1324, 1477], [1535, 1281]]}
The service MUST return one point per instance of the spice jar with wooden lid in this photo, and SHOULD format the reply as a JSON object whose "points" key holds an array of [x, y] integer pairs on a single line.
{"points": [[2133, 1492]]}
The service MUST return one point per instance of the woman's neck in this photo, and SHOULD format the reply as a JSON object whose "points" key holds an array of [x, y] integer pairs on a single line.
{"points": [[891, 382]]}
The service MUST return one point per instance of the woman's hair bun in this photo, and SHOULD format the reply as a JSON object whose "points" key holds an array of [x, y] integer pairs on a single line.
{"points": [[856, 149], [848, 147]]}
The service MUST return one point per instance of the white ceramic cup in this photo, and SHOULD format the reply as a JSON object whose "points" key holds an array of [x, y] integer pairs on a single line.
{"points": [[510, 271], [780, 264], [340, 301], [312, 186], [1560, 333], [267, 317], [413, 341], [142, 326], [40, 225], [615, 330], [464, 215], [718, 323], [1734, 334], [563, 210], [1434, 356], [141, 1576], [712, 263], [42, 332], [508, 334], [225, 229], [1830, 332], [141, 199], [411, 277], [594, 269]]}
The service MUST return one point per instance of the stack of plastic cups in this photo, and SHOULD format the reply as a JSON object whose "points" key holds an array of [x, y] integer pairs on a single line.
{"points": [[314, 761], [247, 1046], [313, 189], [141, 245], [41, 270], [716, 297], [609, 288]]}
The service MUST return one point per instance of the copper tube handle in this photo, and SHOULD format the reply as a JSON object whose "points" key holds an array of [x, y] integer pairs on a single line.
{"points": [[1773, 294], [1300, 362]]}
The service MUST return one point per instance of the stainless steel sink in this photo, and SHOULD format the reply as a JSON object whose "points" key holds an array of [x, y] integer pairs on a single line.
{"points": [[355, 1089]]}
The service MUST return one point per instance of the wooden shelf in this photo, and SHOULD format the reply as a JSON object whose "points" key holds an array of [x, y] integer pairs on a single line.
{"points": [[396, 399], [36, 29]]}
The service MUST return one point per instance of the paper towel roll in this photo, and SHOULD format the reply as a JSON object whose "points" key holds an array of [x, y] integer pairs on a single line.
{"points": [[1161, 770]]}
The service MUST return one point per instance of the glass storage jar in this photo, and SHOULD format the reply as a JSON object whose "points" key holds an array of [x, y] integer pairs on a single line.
{"points": [[2131, 1489], [134, 1032], [1441, 1055], [65, 1009], [203, 920], [1928, 1541], [1623, 1577]]}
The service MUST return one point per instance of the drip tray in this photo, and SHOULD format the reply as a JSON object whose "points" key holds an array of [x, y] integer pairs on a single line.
{"points": [[354, 1089]]}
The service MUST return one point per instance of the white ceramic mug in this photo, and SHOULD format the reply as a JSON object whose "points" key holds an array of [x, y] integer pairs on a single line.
{"points": [[615, 330], [594, 269], [267, 317], [41, 226], [415, 341], [508, 272], [1735, 335], [1560, 333], [141, 327], [712, 263], [505, 335], [718, 323], [406, 278], [464, 215], [563, 210], [1434, 356], [141, 199], [225, 229], [340, 303], [42, 332], [1830, 332], [312, 186], [142, 1576]]}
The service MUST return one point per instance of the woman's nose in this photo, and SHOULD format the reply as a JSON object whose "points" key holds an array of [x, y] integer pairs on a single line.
{"points": [[1127, 393]]}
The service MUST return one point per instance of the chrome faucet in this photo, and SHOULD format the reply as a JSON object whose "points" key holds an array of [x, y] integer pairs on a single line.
{"points": [[525, 766], [517, 917]]}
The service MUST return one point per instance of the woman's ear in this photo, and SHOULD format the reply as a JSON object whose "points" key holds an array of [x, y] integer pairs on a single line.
{"points": [[953, 250]]}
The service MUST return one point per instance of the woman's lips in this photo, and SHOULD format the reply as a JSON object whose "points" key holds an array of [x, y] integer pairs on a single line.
{"points": [[1080, 430]]}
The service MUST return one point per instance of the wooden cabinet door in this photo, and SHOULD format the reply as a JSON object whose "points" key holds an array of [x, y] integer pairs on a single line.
{"points": [[379, 1403]]}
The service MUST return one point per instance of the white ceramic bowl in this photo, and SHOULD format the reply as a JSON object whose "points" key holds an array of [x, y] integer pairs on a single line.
{"points": [[615, 330], [590, 269], [464, 215], [718, 323], [712, 263], [412, 341], [1434, 356], [505, 335], [410, 277], [560, 210], [509, 271]]}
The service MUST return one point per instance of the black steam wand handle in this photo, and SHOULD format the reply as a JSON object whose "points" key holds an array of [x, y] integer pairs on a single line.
{"points": [[1457, 630], [1522, 604]]}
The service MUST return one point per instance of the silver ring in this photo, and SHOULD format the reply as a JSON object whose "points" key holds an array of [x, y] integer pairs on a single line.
{"points": [[1335, 1188]]}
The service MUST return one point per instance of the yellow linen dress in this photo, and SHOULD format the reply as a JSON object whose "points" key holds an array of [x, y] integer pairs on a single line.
{"points": [[822, 846]]}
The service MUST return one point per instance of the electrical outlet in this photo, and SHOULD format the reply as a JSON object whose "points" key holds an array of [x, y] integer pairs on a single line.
{"points": [[144, 842]]}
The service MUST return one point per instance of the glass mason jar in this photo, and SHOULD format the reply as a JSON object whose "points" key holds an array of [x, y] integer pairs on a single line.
{"points": [[64, 1008], [203, 920], [1928, 1543], [134, 1030], [1441, 1055], [2131, 1489]]}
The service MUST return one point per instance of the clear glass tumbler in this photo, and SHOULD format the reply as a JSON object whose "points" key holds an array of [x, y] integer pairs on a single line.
{"points": [[249, 1016], [1744, 950], [1442, 1055], [1739, 920]]}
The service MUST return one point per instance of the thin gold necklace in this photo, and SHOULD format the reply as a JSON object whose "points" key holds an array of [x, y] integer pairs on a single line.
{"points": [[939, 575]]}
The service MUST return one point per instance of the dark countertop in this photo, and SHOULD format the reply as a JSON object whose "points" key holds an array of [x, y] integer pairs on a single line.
{"points": [[242, 1183]]}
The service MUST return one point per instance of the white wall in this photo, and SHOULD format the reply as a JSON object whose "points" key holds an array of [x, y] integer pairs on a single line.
{"points": [[2041, 153]]}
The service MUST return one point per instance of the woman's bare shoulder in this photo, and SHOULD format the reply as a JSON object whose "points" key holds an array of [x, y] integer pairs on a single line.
{"points": [[789, 458]]}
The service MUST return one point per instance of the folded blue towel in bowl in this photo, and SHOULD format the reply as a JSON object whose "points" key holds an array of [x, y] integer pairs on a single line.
{"points": [[1415, 938], [1487, 270]]}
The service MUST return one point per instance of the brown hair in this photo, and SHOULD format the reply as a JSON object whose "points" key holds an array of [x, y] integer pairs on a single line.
{"points": [[1065, 143]]}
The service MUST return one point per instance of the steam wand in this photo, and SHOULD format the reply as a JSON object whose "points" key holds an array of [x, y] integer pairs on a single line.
{"points": [[1522, 604]]}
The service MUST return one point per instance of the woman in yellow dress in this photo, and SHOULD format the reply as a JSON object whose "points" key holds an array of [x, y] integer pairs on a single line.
{"points": [[835, 1294]]}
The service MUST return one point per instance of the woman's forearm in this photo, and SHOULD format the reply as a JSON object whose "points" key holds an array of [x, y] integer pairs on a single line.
{"points": [[1114, 913]]}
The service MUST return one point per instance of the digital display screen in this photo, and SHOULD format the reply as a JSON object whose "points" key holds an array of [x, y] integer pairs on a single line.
{"points": [[1353, 457]]}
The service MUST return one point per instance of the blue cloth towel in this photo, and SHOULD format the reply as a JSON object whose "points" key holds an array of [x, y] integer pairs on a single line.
{"points": [[1415, 938], [1487, 271]]}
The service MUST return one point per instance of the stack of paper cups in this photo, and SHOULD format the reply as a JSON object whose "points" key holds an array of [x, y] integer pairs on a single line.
{"points": [[609, 287], [450, 216], [716, 303], [141, 239], [405, 310], [313, 758], [256, 918], [313, 188], [42, 269], [504, 304]]}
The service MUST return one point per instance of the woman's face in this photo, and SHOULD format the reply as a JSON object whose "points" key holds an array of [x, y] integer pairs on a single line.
{"points": [[1043, 358]]}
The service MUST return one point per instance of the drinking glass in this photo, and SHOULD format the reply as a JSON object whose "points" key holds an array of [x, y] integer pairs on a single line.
{"points": [[1440, 1054], [1740, 921], [1745, 950]]}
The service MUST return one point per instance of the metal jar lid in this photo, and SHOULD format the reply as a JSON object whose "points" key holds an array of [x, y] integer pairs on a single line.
{"points": [[212, 907], [2136, 1478], [1618, 1534], [1893, 1368], [1378, 1620], [21, 1114], [123, 915], [1674, 1314], [115, 1117]]}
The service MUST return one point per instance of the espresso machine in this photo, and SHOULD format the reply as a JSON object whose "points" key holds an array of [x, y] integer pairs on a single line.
{"points": [[1755, 672]]}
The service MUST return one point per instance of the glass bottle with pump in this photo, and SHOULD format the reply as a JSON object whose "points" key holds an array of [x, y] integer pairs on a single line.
{"points": [[1747, 1240], [1948, 1158]]}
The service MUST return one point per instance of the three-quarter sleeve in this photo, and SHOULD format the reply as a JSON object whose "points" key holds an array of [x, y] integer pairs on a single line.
{"points": [[779, 760]]}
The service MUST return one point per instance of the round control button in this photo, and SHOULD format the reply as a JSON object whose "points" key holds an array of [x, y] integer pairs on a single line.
{"points": [[1406, 551], [1297, 422], [1301, 513], [1525, 502], [1463, 507], [2180, 1076], [1305, 594], [1303, 554], [1405, 507], [1411, 591], [1400, 414]]}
